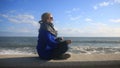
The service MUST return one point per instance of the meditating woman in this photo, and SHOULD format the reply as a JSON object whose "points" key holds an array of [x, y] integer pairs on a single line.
{"points": [[50, 46]]}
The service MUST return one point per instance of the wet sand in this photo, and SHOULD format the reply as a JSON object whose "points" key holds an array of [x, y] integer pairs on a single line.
{"points": [[76, 60]]}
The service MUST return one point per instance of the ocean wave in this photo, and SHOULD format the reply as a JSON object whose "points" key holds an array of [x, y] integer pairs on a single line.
{"points": [[97, 41], [17, 51], [94, 50], [72, 49]]}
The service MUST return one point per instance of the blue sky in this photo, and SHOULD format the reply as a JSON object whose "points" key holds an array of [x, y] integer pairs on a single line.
{"points": [[79, 18]]}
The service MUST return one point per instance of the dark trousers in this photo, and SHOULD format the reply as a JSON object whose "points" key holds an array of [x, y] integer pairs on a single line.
{"points": [[61, 49]]}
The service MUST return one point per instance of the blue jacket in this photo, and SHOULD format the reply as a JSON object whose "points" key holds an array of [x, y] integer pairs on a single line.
{"points": [[46, 43]]}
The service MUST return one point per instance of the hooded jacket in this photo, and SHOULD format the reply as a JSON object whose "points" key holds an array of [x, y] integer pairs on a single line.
{"points": [[46, 40]]}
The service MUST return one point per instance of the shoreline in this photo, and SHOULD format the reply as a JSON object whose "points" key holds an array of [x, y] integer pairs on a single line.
{"points": [[74, 57], [76, 60]]}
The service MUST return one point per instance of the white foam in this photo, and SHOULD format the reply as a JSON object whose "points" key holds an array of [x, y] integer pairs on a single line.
{"points": [[17, 51], [94, 50], [73, 49], [13, 52]]}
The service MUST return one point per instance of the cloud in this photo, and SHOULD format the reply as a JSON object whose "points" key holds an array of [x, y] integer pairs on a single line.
{"points": [[69, 31], [73, 14], [7, 33], [93, 30], [4, 15], [73, 10], [20, 19], [95, 7], [75, 18], [102, 4], [30, 24], [88, 20], [106, 3], [117, 1], [115, 20], [0, 21], [22, 30]]}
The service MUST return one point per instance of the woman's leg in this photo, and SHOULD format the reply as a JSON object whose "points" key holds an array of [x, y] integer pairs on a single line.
{"points": [[60, 50]]}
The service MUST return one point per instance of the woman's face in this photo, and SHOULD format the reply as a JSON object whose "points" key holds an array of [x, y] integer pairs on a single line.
{"points": [[50, 18]]}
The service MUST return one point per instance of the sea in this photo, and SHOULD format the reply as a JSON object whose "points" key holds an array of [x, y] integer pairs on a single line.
{"points": [[79, 45]]}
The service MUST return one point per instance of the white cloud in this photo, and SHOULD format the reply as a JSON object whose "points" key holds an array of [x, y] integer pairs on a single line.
{"points": [[69, 31], [102, 4], [20, 19], [0, 21], [117, 1], [106, 3], [108, 31], [73, 14], [22, 30], [73, 10], [115, 20], [95, 7], [88, 20], [4, 15], [75, 18], [95, 30], [30, 24]]}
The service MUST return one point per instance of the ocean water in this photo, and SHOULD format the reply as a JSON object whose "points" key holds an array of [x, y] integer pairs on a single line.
{"points": [[80, 45]]}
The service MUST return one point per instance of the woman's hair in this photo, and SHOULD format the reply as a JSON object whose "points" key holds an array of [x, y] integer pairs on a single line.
{"points": [[44, 17]]}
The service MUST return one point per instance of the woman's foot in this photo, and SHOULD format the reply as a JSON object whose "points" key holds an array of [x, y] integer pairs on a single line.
{"points": [[62, 57]]}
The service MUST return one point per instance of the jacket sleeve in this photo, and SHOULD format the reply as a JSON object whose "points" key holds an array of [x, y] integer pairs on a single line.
{"points": [[51, 40]]}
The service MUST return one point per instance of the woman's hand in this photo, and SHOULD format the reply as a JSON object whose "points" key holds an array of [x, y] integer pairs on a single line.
{"points": [[59, 39], [68, 41]]}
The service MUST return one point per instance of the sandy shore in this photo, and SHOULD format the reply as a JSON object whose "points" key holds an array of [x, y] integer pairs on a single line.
{"points": [[76, 60]]}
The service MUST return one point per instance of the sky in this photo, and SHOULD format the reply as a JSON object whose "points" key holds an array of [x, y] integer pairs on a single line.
{"points": [[72, 18]]}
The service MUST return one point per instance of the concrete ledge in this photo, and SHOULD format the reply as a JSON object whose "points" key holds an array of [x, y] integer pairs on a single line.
{"points": [[79, 61]]}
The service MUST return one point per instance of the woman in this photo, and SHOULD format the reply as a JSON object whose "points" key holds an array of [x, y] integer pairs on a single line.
{"points": [[49, 46]]}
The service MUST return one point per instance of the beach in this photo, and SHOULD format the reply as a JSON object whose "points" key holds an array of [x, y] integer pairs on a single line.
{"points": [[86, 52], [76, 60]]}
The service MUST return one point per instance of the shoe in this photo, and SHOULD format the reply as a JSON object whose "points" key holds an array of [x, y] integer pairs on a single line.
{"points": [[62, 57]]}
